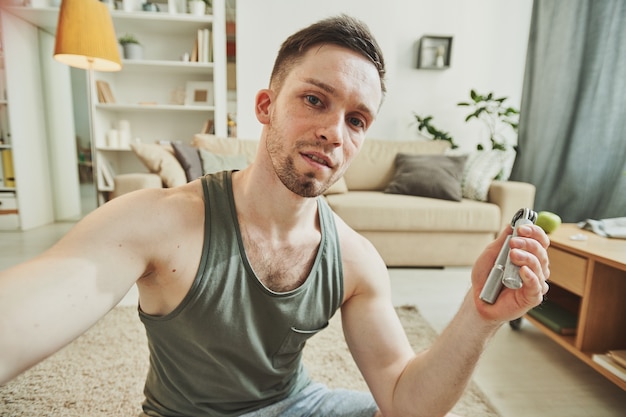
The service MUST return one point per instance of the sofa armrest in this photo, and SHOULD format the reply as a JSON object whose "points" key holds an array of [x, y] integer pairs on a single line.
{"points": [[511, 196], [125, 183]]}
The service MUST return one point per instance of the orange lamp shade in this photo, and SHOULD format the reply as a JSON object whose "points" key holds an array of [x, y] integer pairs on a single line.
{"points": [[85, 36]]}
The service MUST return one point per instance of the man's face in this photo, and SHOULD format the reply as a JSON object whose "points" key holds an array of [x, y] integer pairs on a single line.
{"points": [[318, 119]]}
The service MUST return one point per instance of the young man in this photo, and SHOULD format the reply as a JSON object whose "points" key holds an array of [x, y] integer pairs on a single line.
{"points": [[236, 270]]}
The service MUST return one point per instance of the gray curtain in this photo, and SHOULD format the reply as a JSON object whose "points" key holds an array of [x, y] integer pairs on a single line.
{"points": [[572, 133]]}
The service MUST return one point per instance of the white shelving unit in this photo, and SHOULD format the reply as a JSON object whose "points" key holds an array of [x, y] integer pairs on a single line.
{"points": [[149, 93], [144, 90]]}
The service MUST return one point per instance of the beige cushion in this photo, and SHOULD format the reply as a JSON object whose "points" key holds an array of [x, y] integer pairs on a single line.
{"points": [[160, 159], [126, 183], [338, 187], [226, 146], [371, 210], [373, 167]]}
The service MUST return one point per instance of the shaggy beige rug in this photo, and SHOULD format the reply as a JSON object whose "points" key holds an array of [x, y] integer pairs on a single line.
{"points": [[102, 372]]}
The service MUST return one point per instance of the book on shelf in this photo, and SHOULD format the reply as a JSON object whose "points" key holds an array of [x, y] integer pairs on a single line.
{"points": [[202, 51], [618, 355], [605, 361], [2, 174], [208, 41], [208, 127], [105, 174], [200, 43], [194, 51], [555, 317], [105, 95], [7, 168]]}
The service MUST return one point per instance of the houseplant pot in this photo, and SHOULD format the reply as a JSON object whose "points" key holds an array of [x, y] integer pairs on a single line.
{"points": [[131, 47]]}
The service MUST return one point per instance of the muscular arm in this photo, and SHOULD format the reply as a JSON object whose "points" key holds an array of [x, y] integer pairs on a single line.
{"points": [[47, 302], [430, 383]]}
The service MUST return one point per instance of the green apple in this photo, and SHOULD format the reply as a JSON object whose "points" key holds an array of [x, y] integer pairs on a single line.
{"points": [[548, 221]]}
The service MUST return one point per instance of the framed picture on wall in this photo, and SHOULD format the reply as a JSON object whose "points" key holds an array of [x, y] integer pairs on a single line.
{"points": [[434, 52], [199, 93]]}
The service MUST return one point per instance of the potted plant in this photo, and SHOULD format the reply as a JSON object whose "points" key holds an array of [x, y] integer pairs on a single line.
{"points": [[131, 47], [495, 115]]}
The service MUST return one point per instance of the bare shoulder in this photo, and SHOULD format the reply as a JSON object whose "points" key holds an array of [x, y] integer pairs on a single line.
{"points": [[163, 207], [139, 222], [364, 269]]}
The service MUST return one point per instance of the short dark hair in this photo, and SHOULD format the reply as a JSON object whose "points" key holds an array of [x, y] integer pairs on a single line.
{"points": [[342, 30]]}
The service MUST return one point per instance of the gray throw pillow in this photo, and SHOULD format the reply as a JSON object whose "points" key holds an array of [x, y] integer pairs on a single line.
{"points": [[189, 159], [434, 176]]}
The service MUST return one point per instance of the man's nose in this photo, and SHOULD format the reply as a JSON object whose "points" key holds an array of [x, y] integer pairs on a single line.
{"points": [[332, 129]]}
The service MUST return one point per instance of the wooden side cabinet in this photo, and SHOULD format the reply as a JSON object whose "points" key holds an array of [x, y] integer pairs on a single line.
{"points": [[588, 278]]}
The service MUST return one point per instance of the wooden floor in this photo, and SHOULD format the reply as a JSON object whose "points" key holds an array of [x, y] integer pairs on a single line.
{"points": [[523, 373]]}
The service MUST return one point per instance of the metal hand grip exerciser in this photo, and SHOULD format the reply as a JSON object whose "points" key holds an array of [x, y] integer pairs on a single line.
{"points": [[504, 272]]}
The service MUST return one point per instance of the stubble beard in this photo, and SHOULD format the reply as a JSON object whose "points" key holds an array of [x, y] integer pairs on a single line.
{"points": [[305, 184]]}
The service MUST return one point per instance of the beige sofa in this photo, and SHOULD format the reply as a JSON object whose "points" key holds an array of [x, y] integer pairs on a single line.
{"points": [[407, 230]]}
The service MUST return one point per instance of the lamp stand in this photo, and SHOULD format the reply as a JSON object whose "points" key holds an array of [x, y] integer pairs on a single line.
{"points": [[92, 132]]}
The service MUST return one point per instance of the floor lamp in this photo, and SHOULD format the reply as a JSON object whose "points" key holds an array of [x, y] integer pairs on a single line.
{"points": [[85, 39]]}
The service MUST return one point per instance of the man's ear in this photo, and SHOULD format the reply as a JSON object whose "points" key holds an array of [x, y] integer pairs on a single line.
{"points": [[263, 104]]}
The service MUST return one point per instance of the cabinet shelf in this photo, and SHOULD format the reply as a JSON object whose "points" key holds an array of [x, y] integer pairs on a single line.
{"points": [[569, 343], [589, 277], [110, 149], [145, 22], [46, 18], [156, 65], [153, 107]]}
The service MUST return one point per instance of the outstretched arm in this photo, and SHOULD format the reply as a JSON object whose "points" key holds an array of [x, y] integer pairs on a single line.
{"points": [[430, 383], [47, 302]]}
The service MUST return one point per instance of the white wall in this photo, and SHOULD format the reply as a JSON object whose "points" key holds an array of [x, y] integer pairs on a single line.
{"points": [[488, 54]]}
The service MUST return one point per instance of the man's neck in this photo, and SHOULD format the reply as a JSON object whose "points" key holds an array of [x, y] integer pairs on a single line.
{"points": [[262, 198]]}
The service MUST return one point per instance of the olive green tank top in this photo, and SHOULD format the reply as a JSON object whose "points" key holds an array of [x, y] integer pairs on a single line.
{"points": [[232, 345]]}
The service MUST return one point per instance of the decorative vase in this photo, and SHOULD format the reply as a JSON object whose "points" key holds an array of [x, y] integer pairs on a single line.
{"points": [[197, 7]]}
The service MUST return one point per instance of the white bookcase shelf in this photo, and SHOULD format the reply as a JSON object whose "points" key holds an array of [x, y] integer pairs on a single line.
{"points": [[119, 108], [133, 65], [149, 93]]}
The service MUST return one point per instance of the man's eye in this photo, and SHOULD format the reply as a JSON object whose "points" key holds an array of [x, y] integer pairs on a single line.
{"points": [[354, 121], [313, 100]]}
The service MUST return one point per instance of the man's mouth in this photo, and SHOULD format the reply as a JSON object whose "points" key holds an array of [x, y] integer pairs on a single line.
{"points": [[317, 159]]}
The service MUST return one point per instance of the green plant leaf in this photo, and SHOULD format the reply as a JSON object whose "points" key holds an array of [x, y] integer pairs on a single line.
{"points": [[424, 123]]}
